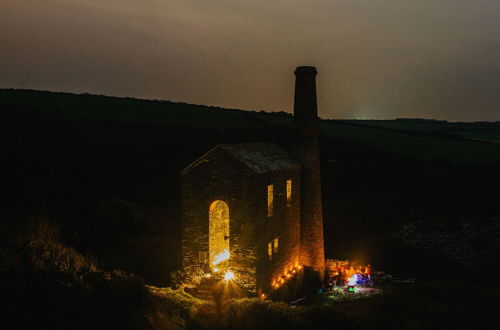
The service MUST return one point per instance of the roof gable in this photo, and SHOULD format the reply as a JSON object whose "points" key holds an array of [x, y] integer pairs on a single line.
{"points": [[257, 157]]}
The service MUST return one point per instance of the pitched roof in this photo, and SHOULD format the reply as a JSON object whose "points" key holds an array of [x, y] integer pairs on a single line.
{"points": [[258, 157]]}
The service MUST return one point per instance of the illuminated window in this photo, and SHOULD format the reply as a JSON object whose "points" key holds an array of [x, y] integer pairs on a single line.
{"points": [[218, 226], [272, 248], [270, 200], [289, 192]]}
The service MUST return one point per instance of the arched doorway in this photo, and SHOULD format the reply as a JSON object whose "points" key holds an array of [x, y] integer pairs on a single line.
{"points": [[218, 241]]}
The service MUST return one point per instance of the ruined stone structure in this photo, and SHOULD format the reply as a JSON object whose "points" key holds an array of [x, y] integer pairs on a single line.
{"points": [[306, 151], [254, 209]]}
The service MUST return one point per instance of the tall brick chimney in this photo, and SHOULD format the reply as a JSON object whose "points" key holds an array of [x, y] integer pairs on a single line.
{"points": [[306, 126]]}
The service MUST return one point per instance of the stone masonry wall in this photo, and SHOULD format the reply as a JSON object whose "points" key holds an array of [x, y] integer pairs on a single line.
{"points": [[219, 177]]}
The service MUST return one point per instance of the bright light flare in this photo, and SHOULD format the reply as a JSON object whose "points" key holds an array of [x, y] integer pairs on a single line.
{"points": [[229, 276], [353, 280], [223, 256]]}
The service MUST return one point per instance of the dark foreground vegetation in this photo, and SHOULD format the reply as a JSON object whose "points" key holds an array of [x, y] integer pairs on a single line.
{"points": [[91, 213], [47, 285]]}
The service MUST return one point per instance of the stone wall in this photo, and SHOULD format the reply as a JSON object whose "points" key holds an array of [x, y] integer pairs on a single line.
{"points": [[218, 176], [284, 225]]}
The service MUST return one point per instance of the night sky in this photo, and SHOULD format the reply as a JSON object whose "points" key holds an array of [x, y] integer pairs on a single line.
{"points": [[377, 59]]}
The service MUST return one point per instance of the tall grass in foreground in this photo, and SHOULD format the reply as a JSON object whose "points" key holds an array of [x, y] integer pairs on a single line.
{"points": [[46, 284]]}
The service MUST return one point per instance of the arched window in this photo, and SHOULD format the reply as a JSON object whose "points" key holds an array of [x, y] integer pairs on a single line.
{"points": [[218, 226]]}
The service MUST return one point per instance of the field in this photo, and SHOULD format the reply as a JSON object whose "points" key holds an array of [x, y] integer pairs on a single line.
{"points": [[412, 197], [430, 139]]}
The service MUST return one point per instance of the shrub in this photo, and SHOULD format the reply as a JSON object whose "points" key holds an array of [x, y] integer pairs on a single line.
{"points": [[35, 245]]}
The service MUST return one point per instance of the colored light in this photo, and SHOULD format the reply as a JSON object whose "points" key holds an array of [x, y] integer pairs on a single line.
{"points": [[352, 280], [229, 276]]}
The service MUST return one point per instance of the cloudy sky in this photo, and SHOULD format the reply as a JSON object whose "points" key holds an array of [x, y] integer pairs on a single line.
{"points": [[376, 58]]}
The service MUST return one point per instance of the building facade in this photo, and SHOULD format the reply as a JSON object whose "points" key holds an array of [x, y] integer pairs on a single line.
{"points": [[254, 210], [241, 211]]}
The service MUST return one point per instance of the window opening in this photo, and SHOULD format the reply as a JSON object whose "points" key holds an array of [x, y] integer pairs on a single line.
{"points": [[289, 192], [270, 200], [218, 224]]}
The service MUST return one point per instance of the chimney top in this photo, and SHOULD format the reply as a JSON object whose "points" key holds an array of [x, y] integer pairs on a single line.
{"points": [[306, 70], [305, 109]]}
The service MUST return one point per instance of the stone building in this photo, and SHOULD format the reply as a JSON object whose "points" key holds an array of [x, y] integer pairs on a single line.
{"points": [[253, 210]]}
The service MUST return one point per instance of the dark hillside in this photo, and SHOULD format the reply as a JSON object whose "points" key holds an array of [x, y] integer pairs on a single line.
{"points": [[106, 169]]}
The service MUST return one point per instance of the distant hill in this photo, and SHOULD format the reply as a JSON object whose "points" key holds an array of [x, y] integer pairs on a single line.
{"points": [[418, 138], [106, 170]]}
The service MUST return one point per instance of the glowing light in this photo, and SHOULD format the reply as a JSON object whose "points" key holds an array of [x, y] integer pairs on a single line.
{"points": [[216, 269], [223, 256], [218, 229], [263, 296], [208, 275], [229, 276], [280, 280], [289, 190], [352, 280], [270, 197]]}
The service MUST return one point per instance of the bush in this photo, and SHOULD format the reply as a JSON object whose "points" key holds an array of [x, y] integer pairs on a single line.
{"points": [[35, 245]]}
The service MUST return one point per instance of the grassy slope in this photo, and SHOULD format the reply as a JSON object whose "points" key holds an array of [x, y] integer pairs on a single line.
{"points": [[411, 138], [124, 110], [102, 148]]}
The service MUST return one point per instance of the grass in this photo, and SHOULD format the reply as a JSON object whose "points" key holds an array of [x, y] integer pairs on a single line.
{"points": [[438, 304], [415, 146], [123, 110], [75, 152], [45, 292], [455, 142]]}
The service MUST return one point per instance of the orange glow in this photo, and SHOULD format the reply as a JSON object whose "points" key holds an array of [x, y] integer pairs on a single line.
{"points": [[270, 200], [289, 191], [218, 229], [285, 277], [345, 272], [228, 276]]}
